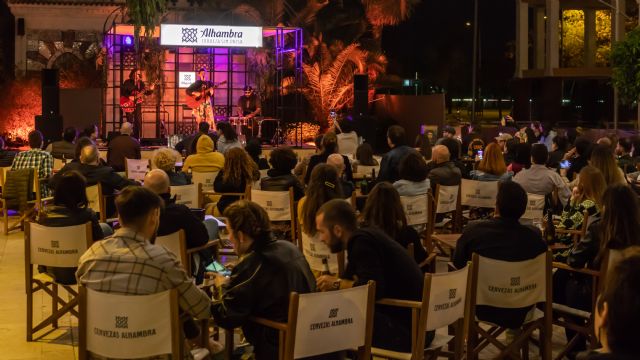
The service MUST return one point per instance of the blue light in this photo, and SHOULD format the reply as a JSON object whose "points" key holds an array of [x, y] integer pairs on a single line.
{"points": [[128, 40]]}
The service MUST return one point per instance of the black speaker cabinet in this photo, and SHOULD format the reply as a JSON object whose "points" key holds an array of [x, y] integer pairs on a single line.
{"points": [[50, 92], [50, 126], [360, 96]]}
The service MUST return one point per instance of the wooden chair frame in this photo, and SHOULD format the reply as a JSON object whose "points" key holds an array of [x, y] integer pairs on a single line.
{"points": [[202, 193], [432, 241], [292, 208], [33, 206], [490, 336], [177, 343], [287, 331], [185, 253], [49, 286], [201, 189], [341, 255]]}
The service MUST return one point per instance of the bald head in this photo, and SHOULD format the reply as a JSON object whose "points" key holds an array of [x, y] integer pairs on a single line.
{"points": [[89, 155], [440, 154], [157, 181], [126, 128], [336, 161]]}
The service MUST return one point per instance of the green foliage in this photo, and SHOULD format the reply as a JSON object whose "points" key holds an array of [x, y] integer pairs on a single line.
{"points": [[145, 14], [625, 57]]}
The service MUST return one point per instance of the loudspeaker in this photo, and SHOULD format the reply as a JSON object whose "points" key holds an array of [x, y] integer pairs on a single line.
{"points": [[21, 29], [360, 95], [50, 92], [50, 126]]}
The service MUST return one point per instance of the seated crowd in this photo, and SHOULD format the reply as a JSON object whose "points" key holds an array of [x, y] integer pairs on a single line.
{"points": [[588, 185]]}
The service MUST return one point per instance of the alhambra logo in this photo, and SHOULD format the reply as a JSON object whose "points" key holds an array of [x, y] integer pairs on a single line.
{"points": [[189, 35]]}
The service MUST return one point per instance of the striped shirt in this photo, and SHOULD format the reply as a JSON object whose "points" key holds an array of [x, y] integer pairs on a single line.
{"points": [[39, 159]]}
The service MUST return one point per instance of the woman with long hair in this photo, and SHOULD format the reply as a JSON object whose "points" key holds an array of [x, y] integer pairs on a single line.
{"points": [[228, 138], [391, 218], [522, 158], [329, 146], [239, 171], [602, 158], [364, 157], [492, 167]]}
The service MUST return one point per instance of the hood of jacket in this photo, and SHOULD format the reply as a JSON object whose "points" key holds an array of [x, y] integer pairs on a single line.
{"points": [[204, 145]]}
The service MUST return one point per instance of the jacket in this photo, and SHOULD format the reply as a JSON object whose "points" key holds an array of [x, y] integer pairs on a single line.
{"points": [[260, 285], [277, 180], [446, 174], [412, 188], [220, 186], [175, 217], [322, 158], [178, 178], [62, 149], [224, 145], [391, 162], [121, 147], [205, 159], [94, 174]]}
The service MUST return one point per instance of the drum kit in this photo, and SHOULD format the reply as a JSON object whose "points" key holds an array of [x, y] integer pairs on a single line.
{"points": [[271, 133]]}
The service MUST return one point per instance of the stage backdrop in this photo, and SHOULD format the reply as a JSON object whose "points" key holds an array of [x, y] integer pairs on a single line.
{"points": [[410, 112], [80, 107]]}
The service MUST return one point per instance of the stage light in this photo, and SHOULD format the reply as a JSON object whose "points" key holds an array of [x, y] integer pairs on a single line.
{"points": [[128, 40]]}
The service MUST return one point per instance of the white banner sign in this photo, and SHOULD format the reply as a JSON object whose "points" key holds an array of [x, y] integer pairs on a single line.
{"points": [[186, 78], [479, 193], [210, 35]]}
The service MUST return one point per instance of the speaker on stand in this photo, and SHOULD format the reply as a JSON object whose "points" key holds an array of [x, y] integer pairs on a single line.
{"points": [[50, 122]]}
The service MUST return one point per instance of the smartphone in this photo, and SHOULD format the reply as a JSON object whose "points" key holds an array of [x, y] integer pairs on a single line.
{"points": [[480, 153], [565, 164], [217, 267]]}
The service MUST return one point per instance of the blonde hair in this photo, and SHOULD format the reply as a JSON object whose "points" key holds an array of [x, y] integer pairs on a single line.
{"points": [[493, 161], [165, 159], [602, 158], [592, 184]]}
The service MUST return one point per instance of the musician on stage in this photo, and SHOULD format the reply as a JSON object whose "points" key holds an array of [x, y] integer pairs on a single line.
{"points": [[131, 88], [202, 87], [249, 103]]}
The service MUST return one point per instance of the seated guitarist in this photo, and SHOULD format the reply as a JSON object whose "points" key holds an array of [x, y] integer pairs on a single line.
{"points": [[131, 88], [200, 88]]}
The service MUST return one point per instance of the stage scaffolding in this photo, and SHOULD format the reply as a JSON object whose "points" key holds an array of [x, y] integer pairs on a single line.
{"points": [[284, 101]]}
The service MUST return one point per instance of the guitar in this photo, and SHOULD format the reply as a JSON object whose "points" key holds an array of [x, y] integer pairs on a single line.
{"points": [[128, 103], [198, 97]]}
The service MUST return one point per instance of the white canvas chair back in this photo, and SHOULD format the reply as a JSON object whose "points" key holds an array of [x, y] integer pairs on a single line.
{"points": [[315, 251], [175, 243], [137, 168], [186, 195], [535, 207], [204, 178], [447, 199], [331, 321], [506, 284], [479, 193], [416, 209], [57, 246], [277, 204], [128, 326], [447, 298], [93, 196], [58, 163]]}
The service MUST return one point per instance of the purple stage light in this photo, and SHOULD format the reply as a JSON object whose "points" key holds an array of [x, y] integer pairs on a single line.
{"points": [[128, 40]]}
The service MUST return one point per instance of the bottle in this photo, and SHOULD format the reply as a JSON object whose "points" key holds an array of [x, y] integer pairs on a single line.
{"points": [[325, 265], [549, 230], [364, 186]]}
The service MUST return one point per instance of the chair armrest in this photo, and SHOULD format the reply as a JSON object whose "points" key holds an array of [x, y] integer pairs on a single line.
{"points": [[269, 323], [563, 266], [400, 303], [429, 260], [211, 243]]}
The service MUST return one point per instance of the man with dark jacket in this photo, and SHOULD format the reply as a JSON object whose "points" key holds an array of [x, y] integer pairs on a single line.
{"points": [[453, 145], [188, 144], [279, 177], [65, 148], [122, 147], [372, 255], [397, 140], [444, 171], [502, 238], [261, 282], [578, 156]]}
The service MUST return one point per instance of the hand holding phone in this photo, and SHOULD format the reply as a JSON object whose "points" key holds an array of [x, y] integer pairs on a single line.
{"points": [[565, 164]]}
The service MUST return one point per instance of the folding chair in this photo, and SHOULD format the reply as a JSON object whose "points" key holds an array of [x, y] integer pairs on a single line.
{"points": [[57, 247], [97, 201], [129, 326], [20, 196], [176, 243], [416, 209], [186, 195], [305, 333], [279, 205], [317, 253], [444, 301], [478, 194], [204, 178], [505, 284], [535, 207], [445, 201], [136, 169]]}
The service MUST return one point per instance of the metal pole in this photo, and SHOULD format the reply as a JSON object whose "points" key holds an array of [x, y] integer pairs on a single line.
{"points": [[475, 62]]}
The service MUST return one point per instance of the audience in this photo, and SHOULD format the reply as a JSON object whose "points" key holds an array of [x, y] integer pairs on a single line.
{"points": [[238, 172], [6, 156], [65, 148], [128, 263], [347, 137], [279, 177], [337, 161], [540, 180], [188, 144], [329, 146], [228, 138], [324, 185], [123, 147], [36, 158], [300, 171], [502, 140], [602, 158], [617, 313], [372, 255], [70, 207], [90, 132], [364, 157], [254, 149], [444, 172], [205, 159], [623, 154], [510, 151], [492, 166], [502, 238], [413, 176], [396, 139], [175, 217], [521, 159], [392, 220], [165, 159], [261, 283], [578, 156], [423, 145], [558, 150], [453, 145]]}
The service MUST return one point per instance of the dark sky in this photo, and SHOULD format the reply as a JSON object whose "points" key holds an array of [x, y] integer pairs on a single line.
{"points": [[437, 43]]}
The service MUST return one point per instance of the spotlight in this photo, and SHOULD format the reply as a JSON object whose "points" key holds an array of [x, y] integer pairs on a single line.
{"points": [[128, 40]]}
